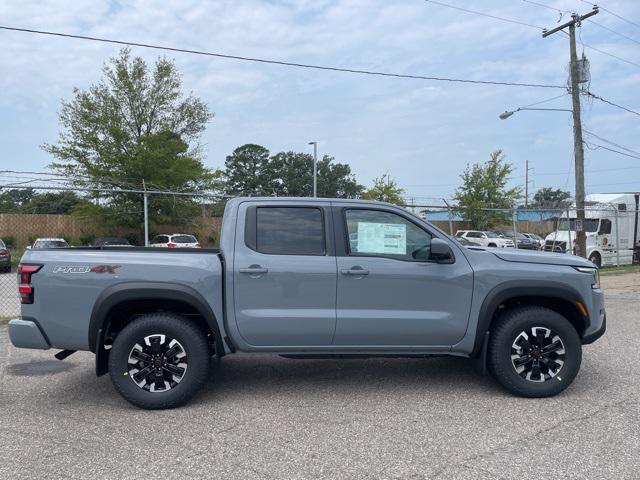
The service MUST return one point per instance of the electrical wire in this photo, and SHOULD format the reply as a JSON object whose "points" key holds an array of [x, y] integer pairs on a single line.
{"points": [[597, 97], [610, 142], [613, 13], [482, 14], [278, 62], [613, 31], [596, 146]]}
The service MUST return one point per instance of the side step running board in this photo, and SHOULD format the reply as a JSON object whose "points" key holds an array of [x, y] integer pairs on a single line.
{"points": [[62, 354]]}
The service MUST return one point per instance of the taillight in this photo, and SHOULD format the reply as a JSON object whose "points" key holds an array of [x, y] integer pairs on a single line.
{"points": [[198, 245], [172, 245], [4, 253], [25, 289]]}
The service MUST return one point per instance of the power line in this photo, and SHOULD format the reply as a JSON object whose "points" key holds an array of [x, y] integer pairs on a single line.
{"points": [[613, 13], [561, 12], [545, 101], [614, 31], [278, 62], [597, 97], [611, 143], [549, 7], [596, 146], [603, 52], [482, 14]]}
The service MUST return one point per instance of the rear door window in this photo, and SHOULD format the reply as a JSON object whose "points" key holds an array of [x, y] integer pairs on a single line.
{"points": [[290, 231]]}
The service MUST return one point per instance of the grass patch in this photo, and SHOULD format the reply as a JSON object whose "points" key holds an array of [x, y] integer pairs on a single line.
{"points": [[620, 270]]}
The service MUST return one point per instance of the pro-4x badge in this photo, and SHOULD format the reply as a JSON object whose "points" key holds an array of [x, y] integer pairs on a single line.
{"points": [[85, 269]]}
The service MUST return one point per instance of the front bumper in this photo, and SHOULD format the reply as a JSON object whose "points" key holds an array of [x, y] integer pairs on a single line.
{"points": [[597, 318], [595, 335], [27, 334]]}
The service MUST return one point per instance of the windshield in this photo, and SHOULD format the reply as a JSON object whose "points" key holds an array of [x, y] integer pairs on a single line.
{"points": [[590, 224], [50, 244], [184, 239]]}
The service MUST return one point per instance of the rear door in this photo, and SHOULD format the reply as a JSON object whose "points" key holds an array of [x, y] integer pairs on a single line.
{"points": [[284, 274], [389, 292]]}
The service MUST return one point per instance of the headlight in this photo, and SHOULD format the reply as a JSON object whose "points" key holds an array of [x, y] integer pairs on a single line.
{"points": [[594, 272]]}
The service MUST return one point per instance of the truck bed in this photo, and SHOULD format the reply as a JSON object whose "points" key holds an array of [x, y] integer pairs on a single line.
{"points": [[72, 281]]}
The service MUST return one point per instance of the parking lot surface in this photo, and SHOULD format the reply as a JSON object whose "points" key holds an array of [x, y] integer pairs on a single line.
{"points": [[268, 417]]}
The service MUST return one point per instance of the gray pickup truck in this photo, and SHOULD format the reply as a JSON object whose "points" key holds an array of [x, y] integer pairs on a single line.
{"points": [[310, 278]]}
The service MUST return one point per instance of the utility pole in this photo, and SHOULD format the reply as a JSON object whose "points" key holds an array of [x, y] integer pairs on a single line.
{"points": [[526, 184], [578, 146]]}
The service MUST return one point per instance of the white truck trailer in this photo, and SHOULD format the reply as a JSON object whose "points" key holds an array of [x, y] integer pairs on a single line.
{"points": [[611, 226]]}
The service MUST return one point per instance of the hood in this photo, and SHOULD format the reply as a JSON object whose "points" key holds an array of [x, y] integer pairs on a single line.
{"points": [[563, 236], [523, 256]]}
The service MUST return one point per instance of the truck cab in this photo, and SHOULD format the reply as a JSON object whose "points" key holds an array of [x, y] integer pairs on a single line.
{"points": [[610, 226]]}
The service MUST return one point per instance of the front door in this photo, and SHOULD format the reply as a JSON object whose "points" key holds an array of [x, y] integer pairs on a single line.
{"points": [[389, 291], [284, 275]]}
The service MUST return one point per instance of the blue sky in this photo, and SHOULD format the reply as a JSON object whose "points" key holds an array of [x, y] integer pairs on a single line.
{"points": [[423, 133]]}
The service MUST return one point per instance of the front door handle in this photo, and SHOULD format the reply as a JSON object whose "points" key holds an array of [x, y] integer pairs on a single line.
{"points": [[355, 271], [254, 270]]}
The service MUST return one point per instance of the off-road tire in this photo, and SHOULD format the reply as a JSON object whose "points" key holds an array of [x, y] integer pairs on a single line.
{"points": [[595, 259], [190, 338], [505, 332]]}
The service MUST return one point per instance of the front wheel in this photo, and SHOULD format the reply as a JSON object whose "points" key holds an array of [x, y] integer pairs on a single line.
{"points": [[160, 360], [534, 352], [595, 259]]}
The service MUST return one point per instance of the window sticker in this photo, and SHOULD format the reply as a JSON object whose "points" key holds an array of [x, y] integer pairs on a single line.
{"points": [[390, 238]]}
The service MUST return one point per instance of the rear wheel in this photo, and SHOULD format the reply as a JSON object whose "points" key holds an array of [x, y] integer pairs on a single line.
{"points": [[534, 352], [160, 360]]}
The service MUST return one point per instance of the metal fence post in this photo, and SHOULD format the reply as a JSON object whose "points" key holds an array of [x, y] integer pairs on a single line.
{"points": [[570, 244], [617, 241], [514, 215]]}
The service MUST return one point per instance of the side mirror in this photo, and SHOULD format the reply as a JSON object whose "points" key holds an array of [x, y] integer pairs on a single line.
{"points": [[441, 251]]}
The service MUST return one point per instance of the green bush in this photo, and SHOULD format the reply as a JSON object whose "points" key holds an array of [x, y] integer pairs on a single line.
{"points": [[9, 241], [87, 239]]}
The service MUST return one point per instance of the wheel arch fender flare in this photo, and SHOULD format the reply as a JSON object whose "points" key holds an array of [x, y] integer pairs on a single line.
{"points": [[129, 291], [514, 289]]}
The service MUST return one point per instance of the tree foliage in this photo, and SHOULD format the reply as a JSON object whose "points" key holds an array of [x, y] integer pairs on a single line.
{"points": [[385, 189], [548, 197], [135, 125], [484, 187], [248, 172], [29, 201], [251, 171]]}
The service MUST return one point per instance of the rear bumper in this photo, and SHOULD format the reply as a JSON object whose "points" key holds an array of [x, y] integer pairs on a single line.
{"points": [[27, 334]]}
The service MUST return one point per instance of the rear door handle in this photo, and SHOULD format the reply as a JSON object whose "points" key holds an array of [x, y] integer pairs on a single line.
{"points": [[355, 271], [254, 270]]}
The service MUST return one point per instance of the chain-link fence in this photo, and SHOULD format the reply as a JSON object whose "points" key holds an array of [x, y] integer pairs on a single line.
{"points": [[92, 217], [611, 228]]}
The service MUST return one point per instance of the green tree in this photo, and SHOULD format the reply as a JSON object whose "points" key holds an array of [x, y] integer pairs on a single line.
{"points": [[12, 201], [54, 203], [548, 197], [135, 125], [292, 176], [247, 172], [29, 201], [385, 189], [484, 187]]}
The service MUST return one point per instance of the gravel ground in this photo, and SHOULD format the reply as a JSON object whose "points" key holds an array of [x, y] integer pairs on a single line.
{"points": [[268, 417]]}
